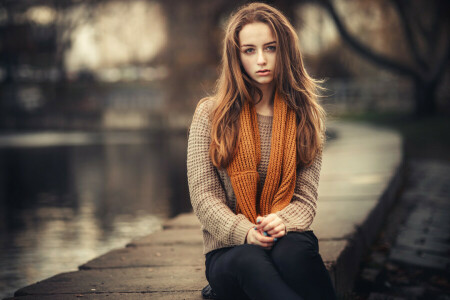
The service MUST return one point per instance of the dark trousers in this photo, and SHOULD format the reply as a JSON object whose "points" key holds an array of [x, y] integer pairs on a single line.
{"points": [[292, 269]]}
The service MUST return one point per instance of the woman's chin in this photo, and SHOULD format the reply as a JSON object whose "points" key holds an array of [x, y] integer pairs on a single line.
{"points": [[264, 82]]}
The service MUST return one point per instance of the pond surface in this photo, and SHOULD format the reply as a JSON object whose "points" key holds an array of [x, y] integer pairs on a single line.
{"points": [[66, 198]]}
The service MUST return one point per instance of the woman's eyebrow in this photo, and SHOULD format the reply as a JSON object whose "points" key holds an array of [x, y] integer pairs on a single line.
{"points": [[250, 45]]}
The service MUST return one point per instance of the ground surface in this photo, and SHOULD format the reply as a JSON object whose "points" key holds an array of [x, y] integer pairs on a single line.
{"points": [[410, 259], [411, 256], [362, 170]]}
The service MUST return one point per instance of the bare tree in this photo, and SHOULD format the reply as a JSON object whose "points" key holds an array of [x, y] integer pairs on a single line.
{"points": [[426, 28], [193, 49], [64, 24], [194, 45]]}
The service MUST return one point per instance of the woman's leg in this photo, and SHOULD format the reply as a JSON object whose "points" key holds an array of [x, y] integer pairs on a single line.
{"points": [[247, 272], [297, 258]]}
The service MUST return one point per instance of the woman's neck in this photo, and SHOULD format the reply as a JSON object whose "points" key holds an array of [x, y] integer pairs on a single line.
{"points": [[265, 106]]}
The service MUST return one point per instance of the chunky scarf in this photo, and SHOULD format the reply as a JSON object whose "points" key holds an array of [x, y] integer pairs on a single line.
{"points": [[279, 185]]}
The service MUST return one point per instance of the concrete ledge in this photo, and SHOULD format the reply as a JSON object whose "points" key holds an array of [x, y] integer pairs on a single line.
{"points": [[362, 172], [123, 280], [185, 295]]}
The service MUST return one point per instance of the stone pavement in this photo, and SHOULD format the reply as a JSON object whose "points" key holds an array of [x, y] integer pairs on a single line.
{"points": [[424, 238], [411, 257], [362, 172]]}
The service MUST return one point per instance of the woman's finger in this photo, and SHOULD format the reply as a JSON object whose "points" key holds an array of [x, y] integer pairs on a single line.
{"points": [[264, 239], [256, 238], [265, 244], [263, 221], [279, 234], [276, 222], [276, 229]]}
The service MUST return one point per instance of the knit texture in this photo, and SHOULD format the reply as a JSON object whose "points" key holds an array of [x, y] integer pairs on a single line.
{"points": [[280, 178], [212, 195]]}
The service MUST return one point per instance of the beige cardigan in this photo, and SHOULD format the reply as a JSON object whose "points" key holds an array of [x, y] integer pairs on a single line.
{"points": [[212, 195]]}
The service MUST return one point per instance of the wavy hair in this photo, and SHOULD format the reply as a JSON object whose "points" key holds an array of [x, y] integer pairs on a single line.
{"points": [[235, 86]]}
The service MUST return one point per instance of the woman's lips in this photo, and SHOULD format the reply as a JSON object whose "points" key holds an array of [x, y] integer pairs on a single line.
{"points": [[263, 72]]}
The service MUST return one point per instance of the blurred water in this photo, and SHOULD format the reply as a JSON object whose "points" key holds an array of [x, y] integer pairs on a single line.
{"points": [[67, 198]]}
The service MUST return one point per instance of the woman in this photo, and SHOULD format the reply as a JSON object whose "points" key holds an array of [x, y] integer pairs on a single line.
{"points": [[254, 160]]}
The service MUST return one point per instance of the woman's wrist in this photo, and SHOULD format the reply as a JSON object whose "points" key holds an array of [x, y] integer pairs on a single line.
{"points": [[246, 237]]}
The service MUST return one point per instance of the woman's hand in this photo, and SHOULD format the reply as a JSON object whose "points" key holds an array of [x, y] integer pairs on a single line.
{"points": [[272, 225], [256, 237]]}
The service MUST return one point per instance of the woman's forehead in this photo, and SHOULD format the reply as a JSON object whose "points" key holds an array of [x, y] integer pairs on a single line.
{"points": [[254, 34]]}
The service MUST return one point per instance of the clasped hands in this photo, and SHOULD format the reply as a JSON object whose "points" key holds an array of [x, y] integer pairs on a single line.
{"points": [[267, 231]]}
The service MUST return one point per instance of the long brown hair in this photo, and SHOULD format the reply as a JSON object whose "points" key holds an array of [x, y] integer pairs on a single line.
{"points": [[234, 87]]}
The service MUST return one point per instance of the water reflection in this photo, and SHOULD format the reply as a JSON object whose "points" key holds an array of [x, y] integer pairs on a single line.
{"points": [[63, 205]]}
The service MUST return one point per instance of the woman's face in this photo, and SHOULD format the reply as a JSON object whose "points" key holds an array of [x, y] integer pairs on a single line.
{"points": [[258, 52]]}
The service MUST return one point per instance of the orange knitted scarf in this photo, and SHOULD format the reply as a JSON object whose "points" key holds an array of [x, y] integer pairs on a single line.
{"points": [[279, 185]]}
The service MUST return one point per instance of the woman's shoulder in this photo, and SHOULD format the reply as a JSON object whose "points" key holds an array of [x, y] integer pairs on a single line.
{"points": [[202, 118], [204, 108], [206, 105]]}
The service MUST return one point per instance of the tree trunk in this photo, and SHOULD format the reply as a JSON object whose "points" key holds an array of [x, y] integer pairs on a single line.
{"points": [[425, 99]]}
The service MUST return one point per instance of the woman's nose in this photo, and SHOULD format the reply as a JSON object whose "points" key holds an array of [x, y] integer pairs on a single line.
{"points": [[261, 58]]}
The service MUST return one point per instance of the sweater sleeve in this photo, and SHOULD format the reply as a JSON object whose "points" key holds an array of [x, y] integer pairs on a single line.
{"points": [[207, 195], [299, 214]]}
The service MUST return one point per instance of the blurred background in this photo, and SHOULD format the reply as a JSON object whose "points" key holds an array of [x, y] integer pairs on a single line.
{"points": [[96, 97]]}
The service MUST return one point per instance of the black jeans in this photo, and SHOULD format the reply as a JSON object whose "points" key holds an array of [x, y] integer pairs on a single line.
{"points": [[292, 269]]}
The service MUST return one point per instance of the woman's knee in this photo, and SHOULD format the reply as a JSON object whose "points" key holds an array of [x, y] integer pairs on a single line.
{"points": [[295, 250], [247, 256], [239, 263]]}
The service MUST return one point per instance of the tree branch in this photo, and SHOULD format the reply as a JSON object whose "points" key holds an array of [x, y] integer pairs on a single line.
{"points": [[364, 50], [438, 71], [439, 18], [401, 11]]}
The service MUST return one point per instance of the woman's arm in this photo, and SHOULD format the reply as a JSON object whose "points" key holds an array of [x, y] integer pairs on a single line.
{"points": [[300, 213], [206, 192]]}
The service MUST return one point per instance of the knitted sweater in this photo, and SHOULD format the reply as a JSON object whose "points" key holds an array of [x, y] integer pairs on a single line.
{"points": [[212, 196]]}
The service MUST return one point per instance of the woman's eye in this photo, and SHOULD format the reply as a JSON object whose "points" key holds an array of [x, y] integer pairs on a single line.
{"points": [[249, 50], [271, 48]]}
